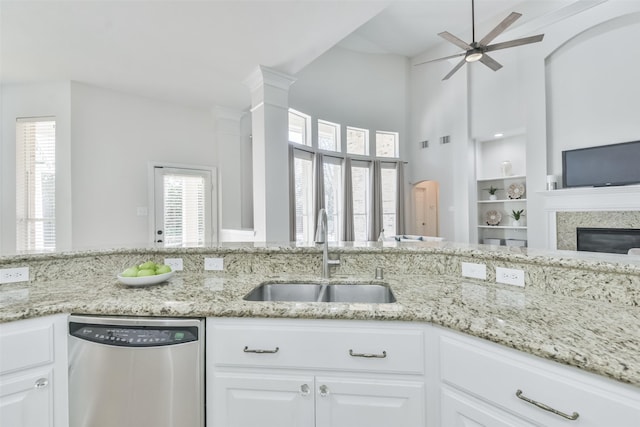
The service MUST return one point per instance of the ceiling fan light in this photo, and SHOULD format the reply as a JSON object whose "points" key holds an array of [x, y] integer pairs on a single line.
{"points": [[473, 56]]}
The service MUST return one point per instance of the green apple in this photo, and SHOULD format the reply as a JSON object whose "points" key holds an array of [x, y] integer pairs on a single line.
{"points": [[146, 272], [162, 269], [149, 265], [130, 272]]}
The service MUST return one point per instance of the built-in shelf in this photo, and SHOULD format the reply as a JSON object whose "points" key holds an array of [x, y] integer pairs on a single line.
{"points": [[503, 227], [502, 178], [502, 201]]}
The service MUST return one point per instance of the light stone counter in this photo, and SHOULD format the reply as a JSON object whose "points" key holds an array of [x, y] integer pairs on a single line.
{"points": [[589, 326]]}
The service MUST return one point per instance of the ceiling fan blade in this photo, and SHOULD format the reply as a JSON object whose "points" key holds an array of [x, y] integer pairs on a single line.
{"points": [[453, 39], [490, 62], [512, 43], [456, 68], [440, 59], [506, 22]]}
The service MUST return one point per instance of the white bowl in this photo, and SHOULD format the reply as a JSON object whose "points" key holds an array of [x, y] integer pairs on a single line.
{"points": [[145, 280]]}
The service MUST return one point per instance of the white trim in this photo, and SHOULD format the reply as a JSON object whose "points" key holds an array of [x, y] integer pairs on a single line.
{"points": [[622, 198], [215, 196]]}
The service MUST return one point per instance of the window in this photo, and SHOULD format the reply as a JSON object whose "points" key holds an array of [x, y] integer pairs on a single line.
{"points": [[360, 180], [358, 145], [303, 167], [299, 128], [333, 197], [328, 136], [183, 207], [357, 141], [389, 178], [35, 184], [387, 144]]}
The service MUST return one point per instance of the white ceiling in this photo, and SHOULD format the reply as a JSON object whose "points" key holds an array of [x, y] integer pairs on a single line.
{"points": [[199, 52]]}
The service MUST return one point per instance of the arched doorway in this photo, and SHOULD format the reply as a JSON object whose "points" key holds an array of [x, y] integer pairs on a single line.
{"points": [[425, 196]]}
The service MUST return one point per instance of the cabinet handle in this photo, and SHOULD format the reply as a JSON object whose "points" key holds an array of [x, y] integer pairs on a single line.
{"points": [[571, 417], [259, 351], [41, 383], [324, 390], [305, 390], [368, 355]]}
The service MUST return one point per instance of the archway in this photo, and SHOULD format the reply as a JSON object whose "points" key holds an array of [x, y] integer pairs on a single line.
{"points": [[425, 195]]}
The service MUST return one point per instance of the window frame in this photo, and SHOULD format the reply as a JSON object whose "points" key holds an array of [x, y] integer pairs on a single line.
{"points": [[367, 141], [212, 236], [396, 136], [304, 154], [338, 133], [25, 189], [308, 135]]}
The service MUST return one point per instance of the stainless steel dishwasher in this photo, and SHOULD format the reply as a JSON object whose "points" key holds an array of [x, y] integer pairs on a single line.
{"points": [[136, 372]]}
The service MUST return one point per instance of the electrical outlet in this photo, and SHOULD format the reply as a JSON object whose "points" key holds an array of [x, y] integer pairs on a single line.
{"points": [[510, 276], [216, 264], [174, 263], [13, 275], [476, 271]]}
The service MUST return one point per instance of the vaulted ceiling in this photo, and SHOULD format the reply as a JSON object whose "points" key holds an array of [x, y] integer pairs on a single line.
{"points": [[199, 52]]}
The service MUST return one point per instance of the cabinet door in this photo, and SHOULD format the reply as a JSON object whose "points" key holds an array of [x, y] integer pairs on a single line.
{"points": [[459, 410], [26, 400], [371, 403], [251, 400]]}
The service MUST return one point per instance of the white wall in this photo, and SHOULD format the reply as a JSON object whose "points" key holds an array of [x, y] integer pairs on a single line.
{"points": [[114, 136], [367, 91], [48, 99], [575, 89], [363, 90], [439, 109], [593, 90]]}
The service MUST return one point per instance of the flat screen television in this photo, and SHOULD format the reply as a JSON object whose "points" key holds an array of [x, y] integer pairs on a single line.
{"points": [[615, 164]]}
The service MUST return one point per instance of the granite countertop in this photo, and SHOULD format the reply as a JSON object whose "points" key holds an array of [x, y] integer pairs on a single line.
{"points": [[596, 336]]}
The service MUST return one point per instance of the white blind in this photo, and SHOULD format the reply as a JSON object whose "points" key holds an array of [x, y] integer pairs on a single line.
{"points": [[35, 183], [184, 210]]}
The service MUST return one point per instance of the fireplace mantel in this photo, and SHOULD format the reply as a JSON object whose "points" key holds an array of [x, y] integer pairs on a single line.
{"points": [[587, 199]]}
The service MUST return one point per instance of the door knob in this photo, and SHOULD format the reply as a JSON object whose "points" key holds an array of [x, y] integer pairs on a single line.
{"points": [[324, 390], [41, 383], [305, 390]]}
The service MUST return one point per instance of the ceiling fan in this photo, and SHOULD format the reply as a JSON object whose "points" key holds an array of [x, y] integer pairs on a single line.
{"points": [[477, 51]]}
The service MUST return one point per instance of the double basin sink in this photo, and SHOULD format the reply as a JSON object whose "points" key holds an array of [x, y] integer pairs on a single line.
{"points": [[321, 292]]}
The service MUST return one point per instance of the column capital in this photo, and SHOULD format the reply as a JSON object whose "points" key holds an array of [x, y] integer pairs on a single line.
{"points": [[265, 76]]}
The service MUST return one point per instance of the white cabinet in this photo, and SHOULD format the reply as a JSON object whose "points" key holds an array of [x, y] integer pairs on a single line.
{"points": [[460, 410], [530, 390], [33, 373], [342, 402], [277, 372], [249, 400]]}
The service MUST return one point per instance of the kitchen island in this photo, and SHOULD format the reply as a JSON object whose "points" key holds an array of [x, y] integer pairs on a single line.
{"points": [[578, 309]]}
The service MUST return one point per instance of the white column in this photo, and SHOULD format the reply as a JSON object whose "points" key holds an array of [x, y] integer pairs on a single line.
{"points": [[227, 123], [269, 113]]}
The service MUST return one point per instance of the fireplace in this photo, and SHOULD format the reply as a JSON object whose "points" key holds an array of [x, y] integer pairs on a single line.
{"points": [[610, 240]]}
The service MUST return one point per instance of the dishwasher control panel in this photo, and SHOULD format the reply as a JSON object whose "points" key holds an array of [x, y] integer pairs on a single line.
{"points": [[128, 336]]}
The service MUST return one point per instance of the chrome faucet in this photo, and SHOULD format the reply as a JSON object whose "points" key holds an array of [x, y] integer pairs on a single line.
{"points": [[322, 237]]}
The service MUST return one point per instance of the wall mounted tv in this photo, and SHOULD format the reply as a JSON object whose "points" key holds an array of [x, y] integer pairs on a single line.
{"points": [[615, 164]]}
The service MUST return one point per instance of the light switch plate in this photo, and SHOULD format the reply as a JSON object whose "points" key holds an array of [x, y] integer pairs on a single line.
{"points": [[510, 276], [174, 263], [475, 271], [13, 275], [214, 264]]}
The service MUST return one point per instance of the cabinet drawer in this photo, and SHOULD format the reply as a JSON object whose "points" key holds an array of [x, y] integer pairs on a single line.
{"points": [[266, 344], [25, 344], [495, 375]]}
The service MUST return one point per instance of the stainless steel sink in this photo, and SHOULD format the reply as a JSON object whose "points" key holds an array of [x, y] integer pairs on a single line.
{"points": [[318, 292], [376, 294], [304, 292]]}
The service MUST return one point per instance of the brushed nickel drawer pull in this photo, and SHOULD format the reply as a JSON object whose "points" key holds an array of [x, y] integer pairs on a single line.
{"points": [[368, 355], [571, 417], [259, 351]]}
